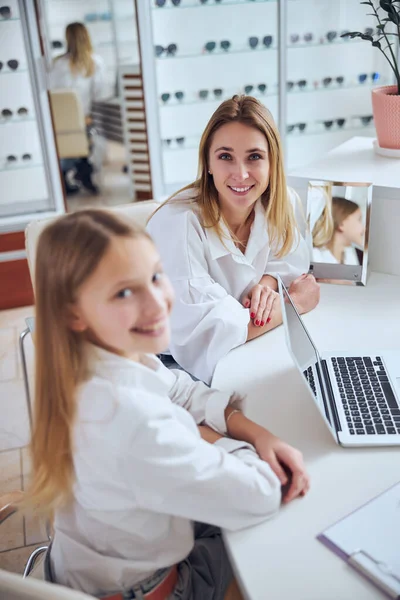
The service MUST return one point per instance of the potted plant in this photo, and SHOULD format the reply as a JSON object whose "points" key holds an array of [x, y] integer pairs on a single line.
{"points": [[385, 99]]}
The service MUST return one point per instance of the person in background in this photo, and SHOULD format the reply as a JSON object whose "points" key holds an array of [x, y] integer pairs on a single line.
{"points": [[347, 237], [83, 71], [225, 237], [140, 464]]}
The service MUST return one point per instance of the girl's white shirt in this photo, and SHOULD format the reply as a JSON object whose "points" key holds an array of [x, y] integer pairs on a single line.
{"points": [[89, 89], [324, 255], [211, 276], [143, 475]]}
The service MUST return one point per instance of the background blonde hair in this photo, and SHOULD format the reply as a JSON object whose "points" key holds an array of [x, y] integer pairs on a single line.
{"points": [[80, 50], [279, 214], [323, 229], [69, 250]]}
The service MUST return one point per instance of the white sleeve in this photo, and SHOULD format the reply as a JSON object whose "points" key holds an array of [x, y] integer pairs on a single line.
{"points": [[97, 83], [57, 79], [206, 322], [297, 261], [175, 472], [204, 404]]}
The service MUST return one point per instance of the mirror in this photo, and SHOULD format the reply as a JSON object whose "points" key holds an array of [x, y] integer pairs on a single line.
{"points": [[338, 217]]}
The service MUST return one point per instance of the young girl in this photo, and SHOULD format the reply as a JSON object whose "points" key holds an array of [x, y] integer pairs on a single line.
{"points": [[225, 237], [126, 452]]}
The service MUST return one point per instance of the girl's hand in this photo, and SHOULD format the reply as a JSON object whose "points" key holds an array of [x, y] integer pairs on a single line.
{"points": [[277, 453], [260, 300]]}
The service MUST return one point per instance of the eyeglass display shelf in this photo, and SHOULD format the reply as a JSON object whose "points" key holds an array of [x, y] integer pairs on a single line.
{"points": [[15, 121], [172, 102], [253, 50], [10, 19], [218, 100], [20, 167], [13, 72], [210, 3], [326, 44], [194, 145]]}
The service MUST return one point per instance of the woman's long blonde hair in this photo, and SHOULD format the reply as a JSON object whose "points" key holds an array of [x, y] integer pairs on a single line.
{"points": [[68, 252], [279, 214], [79, 49]]}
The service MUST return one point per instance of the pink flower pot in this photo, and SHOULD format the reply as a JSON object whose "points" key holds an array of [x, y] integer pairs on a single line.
{"points": [[386, 109]]}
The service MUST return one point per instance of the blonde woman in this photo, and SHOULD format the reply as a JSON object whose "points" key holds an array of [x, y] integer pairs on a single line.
{"points": [[79, 68], [136, 459], [348, 234], [225, 237], [83, 71]]}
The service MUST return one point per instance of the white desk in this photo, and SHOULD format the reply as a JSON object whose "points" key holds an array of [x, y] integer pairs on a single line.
{"points": [[281, 559]]}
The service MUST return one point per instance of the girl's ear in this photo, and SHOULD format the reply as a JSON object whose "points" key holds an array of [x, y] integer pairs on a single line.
{"points": [[75, 319]]}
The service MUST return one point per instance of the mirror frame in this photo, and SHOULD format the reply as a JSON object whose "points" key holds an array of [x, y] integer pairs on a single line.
{"points": [[340, 273]]}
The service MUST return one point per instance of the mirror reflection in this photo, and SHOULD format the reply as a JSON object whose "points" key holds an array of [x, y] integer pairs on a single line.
{"points": [[337, 217]]}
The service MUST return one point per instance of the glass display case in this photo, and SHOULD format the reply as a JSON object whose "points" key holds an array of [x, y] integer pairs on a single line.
{"points": [[29, 172], [288, 53]]}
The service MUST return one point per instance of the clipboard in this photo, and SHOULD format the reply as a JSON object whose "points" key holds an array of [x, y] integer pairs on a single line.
{"points": [[368, 540]]}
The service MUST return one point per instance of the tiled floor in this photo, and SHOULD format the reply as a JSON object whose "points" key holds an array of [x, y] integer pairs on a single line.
{"points": [[19, 535]]}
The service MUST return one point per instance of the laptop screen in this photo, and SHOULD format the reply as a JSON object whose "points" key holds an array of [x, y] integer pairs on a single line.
{"points": [[302, 349]]}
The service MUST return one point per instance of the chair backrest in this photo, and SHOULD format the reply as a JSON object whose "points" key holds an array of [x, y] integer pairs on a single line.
{"points": [[137, 211], [15, 587], [69, 124]]}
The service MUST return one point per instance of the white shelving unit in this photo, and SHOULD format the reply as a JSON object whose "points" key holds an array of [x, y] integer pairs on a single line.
{"points": [[29, 172]]}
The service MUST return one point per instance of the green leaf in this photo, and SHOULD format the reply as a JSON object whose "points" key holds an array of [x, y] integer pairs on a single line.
{"points": [[385, 5], [377, 44]]}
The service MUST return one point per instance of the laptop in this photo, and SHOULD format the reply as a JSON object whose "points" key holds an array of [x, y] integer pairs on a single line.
{"points": [[355, 392]]}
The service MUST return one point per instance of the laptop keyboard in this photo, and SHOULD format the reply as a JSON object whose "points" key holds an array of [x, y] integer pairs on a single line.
{"points": [[369, 403], [309, 375]]}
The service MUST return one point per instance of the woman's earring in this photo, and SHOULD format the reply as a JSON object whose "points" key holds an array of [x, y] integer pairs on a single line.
{"points": [[209, 172]]}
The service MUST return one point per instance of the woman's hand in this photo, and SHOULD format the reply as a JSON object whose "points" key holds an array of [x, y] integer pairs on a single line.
{"points": [[277, 453], [260, 300], [305, 292]]}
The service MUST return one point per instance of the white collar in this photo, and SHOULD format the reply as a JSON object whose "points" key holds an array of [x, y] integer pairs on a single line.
{"points": [[258, 238], [119, 370]]}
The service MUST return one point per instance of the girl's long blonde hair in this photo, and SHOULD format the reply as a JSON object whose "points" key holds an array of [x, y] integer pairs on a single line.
{"points": [[79, 49], [68, 252], [279, 214], [323, 229]]}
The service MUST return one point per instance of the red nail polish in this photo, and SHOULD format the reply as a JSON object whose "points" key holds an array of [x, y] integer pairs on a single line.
{"points": [[252, 315], [269, 319], [257, 322], [262, 323]]}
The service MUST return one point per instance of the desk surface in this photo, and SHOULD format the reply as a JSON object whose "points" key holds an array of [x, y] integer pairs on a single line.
{"points": [[281, 558], [354, 160]]}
